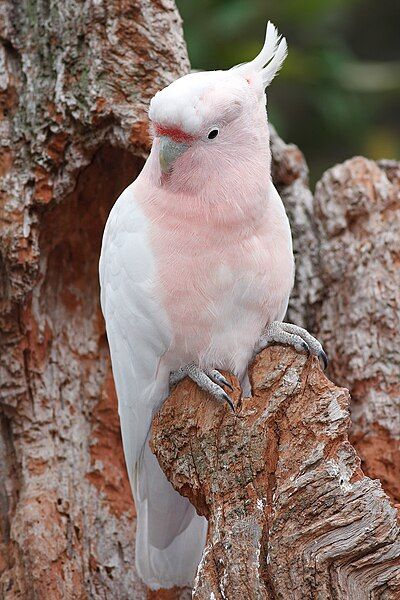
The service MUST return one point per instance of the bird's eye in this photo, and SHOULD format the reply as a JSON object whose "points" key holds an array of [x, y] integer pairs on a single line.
{"points": [[213, 133]]}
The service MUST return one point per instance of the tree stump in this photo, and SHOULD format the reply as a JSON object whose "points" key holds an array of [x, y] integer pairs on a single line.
{"points": [[291, 514]]}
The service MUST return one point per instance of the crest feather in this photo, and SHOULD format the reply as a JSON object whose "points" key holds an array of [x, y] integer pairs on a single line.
{"points": [[271, 58]]}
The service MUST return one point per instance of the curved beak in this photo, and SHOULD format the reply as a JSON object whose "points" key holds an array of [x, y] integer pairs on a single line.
{"points": [[169, 151]]}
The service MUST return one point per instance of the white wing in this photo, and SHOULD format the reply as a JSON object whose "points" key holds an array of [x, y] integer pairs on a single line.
{"points": [[137, 327], [170, 535]]}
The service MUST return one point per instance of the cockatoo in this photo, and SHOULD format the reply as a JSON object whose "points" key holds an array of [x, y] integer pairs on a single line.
{"points": [[196, 270]]}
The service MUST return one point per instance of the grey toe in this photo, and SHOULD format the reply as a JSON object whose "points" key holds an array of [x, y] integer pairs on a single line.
{"points": [[220, 379]]}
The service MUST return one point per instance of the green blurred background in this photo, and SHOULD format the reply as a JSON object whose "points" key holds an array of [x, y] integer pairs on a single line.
{"points": [[338, 93]]}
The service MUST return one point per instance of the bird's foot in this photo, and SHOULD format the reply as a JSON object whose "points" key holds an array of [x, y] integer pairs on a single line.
{"points": [[210, 381], [292, 335]]}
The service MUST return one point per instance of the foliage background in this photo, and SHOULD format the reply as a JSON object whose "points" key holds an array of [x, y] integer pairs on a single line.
{"points": [[338, 93]]}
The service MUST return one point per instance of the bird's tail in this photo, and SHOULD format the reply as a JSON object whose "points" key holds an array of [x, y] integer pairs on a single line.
{"points": [[170, 535]]}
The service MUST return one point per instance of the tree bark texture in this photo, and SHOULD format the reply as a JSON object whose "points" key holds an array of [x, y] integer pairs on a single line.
{"points": [[347, 290], [291, 515], [75, 82], [357, 310]]}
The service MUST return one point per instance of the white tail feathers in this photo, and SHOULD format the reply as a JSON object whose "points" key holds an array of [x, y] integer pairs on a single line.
{"points": [[170, 535], [271, 58]]}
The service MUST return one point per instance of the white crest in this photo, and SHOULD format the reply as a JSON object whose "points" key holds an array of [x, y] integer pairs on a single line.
{"points": [[271, 58]]}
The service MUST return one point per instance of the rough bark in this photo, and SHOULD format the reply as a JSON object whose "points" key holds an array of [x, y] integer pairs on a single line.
{"points": [[291, 514], [354, 303], [75, 81], [290, 176], [346, 245]]}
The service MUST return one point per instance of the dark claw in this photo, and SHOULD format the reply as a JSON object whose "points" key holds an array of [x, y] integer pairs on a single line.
{"points": [[226, 383], [220, 379], [306, 348], [228, 400], [324, 358]]}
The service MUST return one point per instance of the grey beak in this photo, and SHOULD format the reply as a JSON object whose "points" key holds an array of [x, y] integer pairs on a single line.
{"points": [[169, 152]]}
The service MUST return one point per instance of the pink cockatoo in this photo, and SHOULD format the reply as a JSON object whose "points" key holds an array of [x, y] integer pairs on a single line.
{"points": [[196, 270]]}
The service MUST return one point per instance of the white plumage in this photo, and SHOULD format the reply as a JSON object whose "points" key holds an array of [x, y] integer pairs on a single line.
{"points": [[271, 57], [139, 334]]}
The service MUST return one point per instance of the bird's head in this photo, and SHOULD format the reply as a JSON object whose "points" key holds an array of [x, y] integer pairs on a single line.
{"points": [[206, 123]]}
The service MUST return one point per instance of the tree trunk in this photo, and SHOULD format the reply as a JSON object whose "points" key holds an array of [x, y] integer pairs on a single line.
{"points": [[291, 514], [75, 82], [346, 243], [354, 305]]}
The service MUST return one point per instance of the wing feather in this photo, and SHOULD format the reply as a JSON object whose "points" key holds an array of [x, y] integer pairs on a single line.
{"points": [[170, 535], [137, 327]]}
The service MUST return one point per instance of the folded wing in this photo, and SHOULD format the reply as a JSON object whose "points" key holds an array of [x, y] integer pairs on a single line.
{"points": [[170, 535]]}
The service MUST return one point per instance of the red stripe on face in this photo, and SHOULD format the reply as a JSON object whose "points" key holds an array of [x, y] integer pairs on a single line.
{"points": [[174, 133]]}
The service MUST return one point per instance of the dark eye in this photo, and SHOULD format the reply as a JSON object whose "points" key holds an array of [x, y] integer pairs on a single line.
{"points": [[213, 133]]}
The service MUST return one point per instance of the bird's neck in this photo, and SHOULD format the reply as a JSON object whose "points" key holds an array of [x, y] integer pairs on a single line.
{"points": [[231, 196]]}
